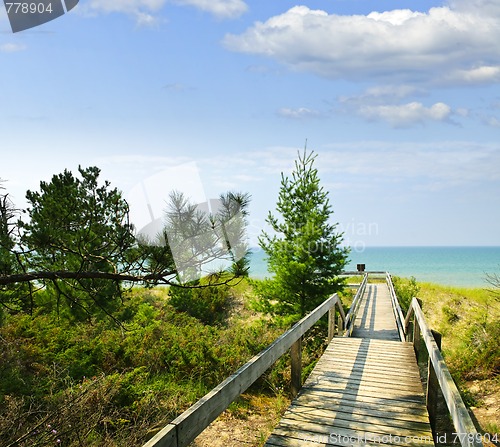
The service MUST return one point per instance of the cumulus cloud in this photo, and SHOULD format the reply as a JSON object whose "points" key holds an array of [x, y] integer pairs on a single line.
{"points": [[458, 42], [299, 113], [406, 115]]}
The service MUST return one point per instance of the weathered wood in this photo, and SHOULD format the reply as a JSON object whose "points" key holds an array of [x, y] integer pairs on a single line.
{"points": [[433, 386], [386, 402], [393, 413], [166, 437], [184, 429], [398, 313], [296, 354], [416, 334], [375, 318], [458, 411], [343, 397], [350, 318]]}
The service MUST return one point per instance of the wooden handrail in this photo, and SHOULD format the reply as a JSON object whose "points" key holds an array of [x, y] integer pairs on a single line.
{"points": [[466, 431], [185, 428], [353, 310], [398, 313]]}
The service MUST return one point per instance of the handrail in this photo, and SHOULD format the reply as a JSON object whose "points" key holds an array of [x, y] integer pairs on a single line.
{"points": [[461, 419], [353, 310], [398, 313], [185, 428]]}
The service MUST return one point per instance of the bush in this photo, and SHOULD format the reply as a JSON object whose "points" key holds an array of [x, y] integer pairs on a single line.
{"points": [[406, 289], [100, 384], [478, 354], [209, 304]]}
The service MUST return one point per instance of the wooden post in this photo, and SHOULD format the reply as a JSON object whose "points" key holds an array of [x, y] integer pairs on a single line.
{"points": [[340, 326], [331, 323], [433, 387], [296, 353], [416, 334]]}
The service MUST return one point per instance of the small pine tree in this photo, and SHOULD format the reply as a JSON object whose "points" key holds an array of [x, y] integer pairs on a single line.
{"points": [[304, 251]]}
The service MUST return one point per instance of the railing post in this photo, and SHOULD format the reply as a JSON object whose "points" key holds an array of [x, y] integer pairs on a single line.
{"points": [[331, 323], [416, 333], [433, 387], [340, 325], [296, 354]]}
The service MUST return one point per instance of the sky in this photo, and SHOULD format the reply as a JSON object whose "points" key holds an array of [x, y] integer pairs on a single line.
{"points": [[400, 100]]}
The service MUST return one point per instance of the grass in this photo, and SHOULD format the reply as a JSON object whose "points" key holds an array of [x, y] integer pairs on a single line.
{"points": [[469, 321]]}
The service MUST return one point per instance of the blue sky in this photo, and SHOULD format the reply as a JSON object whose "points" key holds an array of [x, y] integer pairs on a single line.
{"points": [[400, 100]]}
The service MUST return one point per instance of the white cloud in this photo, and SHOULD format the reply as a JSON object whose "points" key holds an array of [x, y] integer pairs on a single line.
{"points": [[126, 6], [144, 10], [178, 87], [299, 113], [457, 43], [492, 121], [224, 9], [406, 115], [480, 75], [11, 47]]}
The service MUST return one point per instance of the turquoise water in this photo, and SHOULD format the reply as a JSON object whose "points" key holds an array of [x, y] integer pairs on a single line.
{"points": [[453, 266]]}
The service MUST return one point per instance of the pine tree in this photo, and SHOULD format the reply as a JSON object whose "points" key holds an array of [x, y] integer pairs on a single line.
{"points": [[303, 251]]}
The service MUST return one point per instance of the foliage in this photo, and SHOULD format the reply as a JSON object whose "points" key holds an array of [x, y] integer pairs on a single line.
{"points": [[303, 252], [406, 289], [7, 243], [7, 213], [101, 384], [469, 320], [76, 243], [77, 225], [207, 304], [197, 238]]}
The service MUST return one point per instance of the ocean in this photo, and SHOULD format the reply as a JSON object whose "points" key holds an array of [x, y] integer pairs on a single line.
{"points": [[451, 266]]}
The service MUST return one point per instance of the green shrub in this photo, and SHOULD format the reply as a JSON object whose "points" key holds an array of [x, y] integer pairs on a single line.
{"points": [[406, 289], [209, 304], [112, 384], [477, 355]]}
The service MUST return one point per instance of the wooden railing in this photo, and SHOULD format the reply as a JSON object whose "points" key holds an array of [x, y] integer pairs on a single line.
{"points": [[398, 313], [350, 318], [185, 428], [439, 377]]}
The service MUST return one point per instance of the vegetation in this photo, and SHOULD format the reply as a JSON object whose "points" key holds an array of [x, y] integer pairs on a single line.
{"points": [[85, 360], [406, 289], [303, 252], [469, 321], [76, 243], [88, 361], [100, 384]]}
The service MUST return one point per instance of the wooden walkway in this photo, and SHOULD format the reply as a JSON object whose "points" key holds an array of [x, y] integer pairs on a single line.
{"points": [[365, 390], [375, 319]]}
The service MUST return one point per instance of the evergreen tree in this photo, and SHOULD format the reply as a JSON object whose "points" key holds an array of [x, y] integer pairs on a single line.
{"points": [[77, 225], [303, 251]]}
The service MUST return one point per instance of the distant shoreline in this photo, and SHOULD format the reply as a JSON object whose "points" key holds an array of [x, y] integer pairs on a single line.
{"points": [[463, 267]]}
